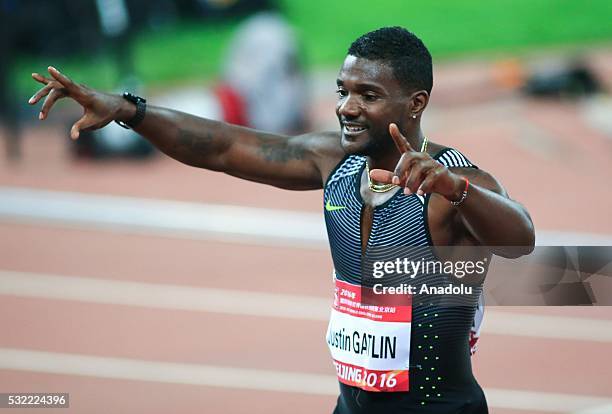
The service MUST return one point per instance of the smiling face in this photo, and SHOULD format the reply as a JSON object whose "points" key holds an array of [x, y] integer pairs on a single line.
{"points": [[369, 99]]}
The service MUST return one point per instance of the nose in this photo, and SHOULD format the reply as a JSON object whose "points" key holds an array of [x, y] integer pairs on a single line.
{"points": [[348, 107]]}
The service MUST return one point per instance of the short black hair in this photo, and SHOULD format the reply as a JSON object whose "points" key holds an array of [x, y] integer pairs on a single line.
{"points": [[402, 50]]}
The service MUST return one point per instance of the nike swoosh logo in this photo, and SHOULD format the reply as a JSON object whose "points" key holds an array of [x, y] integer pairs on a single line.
{"points": [[329, 207]]}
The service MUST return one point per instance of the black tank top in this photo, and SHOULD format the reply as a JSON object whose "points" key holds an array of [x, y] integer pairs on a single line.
{"points": [[440, 372]]}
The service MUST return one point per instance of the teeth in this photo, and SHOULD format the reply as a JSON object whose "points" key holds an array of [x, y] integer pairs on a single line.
{"points": [[354, 128]]}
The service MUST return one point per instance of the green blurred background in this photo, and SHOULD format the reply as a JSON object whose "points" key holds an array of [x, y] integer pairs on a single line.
{"points": [[184, 51]]}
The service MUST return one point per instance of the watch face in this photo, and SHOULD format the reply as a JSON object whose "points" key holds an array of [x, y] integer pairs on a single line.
{"points": [[133, 98]]}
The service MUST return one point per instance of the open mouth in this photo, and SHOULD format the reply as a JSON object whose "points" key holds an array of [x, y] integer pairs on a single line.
{"points": [[353, 129]]}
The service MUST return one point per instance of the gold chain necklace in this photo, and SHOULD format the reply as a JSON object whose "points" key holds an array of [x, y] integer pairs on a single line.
{"points": [[383, 188]]}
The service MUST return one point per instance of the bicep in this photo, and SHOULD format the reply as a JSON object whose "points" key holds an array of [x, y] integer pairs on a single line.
{"points": [[287, 162], [497, 197]]}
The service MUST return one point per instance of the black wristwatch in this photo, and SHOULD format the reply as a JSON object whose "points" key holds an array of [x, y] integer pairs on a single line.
{"points": [[141, 108]]}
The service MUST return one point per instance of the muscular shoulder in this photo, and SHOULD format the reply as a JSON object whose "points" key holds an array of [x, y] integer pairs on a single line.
{"points": [[476, 176], [324, 150], [321, 144]]}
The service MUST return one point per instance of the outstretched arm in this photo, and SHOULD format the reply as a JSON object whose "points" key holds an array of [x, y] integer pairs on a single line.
{"points": [[297, 163], [288, 162]]}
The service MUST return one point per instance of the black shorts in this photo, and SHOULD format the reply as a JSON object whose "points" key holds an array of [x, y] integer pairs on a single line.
{"points": [[356, 401]]}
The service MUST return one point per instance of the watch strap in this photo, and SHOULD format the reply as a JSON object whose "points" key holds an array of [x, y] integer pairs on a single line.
{"points": [[141, 109]]}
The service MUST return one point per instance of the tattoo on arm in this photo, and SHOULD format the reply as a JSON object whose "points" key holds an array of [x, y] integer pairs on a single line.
{"points": [[274, 150], [206, 147], [193, 145], [193, 141]]}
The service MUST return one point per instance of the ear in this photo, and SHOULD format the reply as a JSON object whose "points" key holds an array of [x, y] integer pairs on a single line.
{"points": [[418, 102]]}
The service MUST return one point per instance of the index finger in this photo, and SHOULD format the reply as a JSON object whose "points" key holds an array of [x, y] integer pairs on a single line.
{"points": [[70, 86], [40, 78], [401, 142]]}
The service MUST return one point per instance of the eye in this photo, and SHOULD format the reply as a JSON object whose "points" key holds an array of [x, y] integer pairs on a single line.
{"points": [[341, 92], [370, 97]]}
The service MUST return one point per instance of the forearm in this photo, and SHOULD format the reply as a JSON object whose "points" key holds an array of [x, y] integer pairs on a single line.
{"points": [[189, 139], [497, 221], [287, 162], [282, 161]]}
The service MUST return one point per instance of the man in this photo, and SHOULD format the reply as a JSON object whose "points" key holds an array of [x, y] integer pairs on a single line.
{"points": [[418, 193]]}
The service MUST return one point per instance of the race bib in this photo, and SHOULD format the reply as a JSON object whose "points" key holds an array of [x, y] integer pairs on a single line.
{"points": [[370, 344]]}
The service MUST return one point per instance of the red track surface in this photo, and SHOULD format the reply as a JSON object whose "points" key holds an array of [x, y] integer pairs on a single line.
{"points": [[558, 171]]}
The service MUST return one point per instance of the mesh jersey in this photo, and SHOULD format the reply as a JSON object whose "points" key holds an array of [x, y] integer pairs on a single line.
{"points": [[441, 377]]}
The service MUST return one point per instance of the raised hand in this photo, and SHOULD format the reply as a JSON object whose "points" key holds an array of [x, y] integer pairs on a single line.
{"points": [[418, 173], [98, 108]]}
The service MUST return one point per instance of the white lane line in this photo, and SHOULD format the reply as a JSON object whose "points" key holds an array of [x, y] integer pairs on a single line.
{"points": [[564, 238], [602, 409], [166, 372], [163, 217], [166, 296], [543, 326], [194, 220], [541, 401], [253, 379]]}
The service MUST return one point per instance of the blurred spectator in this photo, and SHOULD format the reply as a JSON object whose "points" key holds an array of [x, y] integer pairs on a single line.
{"points": [[264, 84]]}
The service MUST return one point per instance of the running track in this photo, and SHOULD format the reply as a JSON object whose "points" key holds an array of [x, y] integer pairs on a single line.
{"points": [[154, 318]]}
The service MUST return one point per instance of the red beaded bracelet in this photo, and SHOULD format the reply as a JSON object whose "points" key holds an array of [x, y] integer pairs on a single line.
{"points": [[463, 195]]}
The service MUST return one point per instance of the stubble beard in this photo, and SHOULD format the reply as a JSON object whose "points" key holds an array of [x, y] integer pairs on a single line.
{"points": [[372, 147]]}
